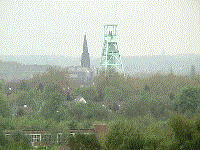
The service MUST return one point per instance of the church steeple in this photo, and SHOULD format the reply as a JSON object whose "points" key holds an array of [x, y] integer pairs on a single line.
{"points": [[85, 48], [85, 58]]}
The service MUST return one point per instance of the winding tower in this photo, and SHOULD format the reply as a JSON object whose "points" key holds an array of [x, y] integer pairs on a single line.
{"points": [[111, 58]]}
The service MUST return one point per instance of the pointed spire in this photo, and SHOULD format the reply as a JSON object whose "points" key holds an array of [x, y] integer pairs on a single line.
{"points": [[85, 48], [85, 58]]}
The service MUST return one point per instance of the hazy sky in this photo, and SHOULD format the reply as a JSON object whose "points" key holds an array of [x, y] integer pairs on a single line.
{"points": [[145, 27]]}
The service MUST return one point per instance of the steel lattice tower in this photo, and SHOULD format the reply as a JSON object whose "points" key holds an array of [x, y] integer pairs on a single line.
{"points": [[111, 59]]}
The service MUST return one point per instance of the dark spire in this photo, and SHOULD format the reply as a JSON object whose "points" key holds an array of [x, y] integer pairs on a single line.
{"points": [[85, 58], [85, 48]]}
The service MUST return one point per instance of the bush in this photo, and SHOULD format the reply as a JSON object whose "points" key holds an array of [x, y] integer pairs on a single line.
{"points": [[112, 93], [122, 136], [87, 141], [72, 142], [72, 124], [174, 146], [20, 112], [153, 142], [114, 107], [4, 110], [191, 145], [19, 141], [87, 92], [84, 141], [197, 123], [3, 141], [135, 109], [189, 98], [183, 129], [171, 96], [90, 110]]}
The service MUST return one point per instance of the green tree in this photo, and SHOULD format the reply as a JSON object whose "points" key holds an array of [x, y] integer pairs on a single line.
{"points": [[2, 82], [153, 142], [87, 92], [26, 98], [114, 107], [146, 88], [87, 141], [55, 98], [122, 136], [4, 110], [90, 110], [72, 124], [24, 85], [84, 141], [72, 143], [19, 141], [20, 112], [183, 129], [40, 87], [189, 99], [3, 141], [113, 94], [171, 96]]}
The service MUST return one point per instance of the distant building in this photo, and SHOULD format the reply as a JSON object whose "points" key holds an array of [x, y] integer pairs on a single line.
{"points": [[85, 58], [81, 74], [46, 138]]}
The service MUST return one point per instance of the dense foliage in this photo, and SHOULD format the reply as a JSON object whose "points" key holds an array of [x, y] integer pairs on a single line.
{"points": [[84, 141], [122, 136], [164, 109]]}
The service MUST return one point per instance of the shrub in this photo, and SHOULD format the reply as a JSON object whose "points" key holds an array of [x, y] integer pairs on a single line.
{"points": [[198, 124], [174, 146], [191, 145], [84, 141], [72, 124], [114, 107], [19, 141], [153, 142], [189, 98], [122, 136], [114, 138], [171, 96], [72, 142], [20, 112], [87, 141], [4, 110], [90, 110], [3, 140], [183, 128], [87, 92]]}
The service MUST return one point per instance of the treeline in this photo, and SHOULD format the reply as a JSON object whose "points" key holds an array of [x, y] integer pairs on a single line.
{"points": [[150, 104], [123, 134]]}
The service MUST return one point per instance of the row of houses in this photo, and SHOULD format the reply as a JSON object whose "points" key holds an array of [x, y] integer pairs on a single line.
{"points": [[46, 138]]}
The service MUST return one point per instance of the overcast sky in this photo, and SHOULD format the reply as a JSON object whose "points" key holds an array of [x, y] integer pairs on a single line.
{"points": [[145, 27]]}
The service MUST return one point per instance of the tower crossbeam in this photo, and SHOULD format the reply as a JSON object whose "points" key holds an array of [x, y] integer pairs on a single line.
{"points": [[111, 58]]}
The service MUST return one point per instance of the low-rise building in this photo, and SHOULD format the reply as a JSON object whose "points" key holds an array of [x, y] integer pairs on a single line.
{"points": [[46, 138]]}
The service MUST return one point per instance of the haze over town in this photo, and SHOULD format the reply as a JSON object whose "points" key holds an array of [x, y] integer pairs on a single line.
{"points": [[145, 27], [70, 80]]}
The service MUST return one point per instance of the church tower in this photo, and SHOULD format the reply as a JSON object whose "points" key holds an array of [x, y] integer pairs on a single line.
{"points": [[85, 58]]}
